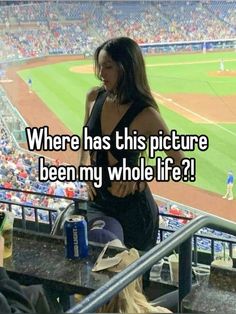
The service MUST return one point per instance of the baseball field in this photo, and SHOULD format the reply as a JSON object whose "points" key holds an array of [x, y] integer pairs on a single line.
{"points": [[193, 95]]}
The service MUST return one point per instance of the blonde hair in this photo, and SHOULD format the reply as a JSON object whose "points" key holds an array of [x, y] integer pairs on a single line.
{"points": [[131, 300]]}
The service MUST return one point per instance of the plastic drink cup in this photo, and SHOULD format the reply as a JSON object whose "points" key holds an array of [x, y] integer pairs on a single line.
{"points": [[7, 233], [174, 267], [202, 274], [228, 262], [155, 274]]}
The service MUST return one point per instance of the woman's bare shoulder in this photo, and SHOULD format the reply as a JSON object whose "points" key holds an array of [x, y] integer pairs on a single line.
{"points": [[93, 93]]}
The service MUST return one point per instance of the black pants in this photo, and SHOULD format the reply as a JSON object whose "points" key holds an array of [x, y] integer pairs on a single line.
{"points": [[137, 213]]}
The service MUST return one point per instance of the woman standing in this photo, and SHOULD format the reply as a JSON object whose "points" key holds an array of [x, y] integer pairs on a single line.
{"points": [[123, 101]]}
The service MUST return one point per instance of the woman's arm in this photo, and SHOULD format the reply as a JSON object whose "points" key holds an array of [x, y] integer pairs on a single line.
{"points": [[90, 99], [84, 158]]}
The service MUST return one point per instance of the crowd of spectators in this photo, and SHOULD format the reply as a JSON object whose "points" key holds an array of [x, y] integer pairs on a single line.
{"points": [[32, 12], [78, 27], [224, 11], [12, 119], [195, 22], [19, 170], [203, 242]]}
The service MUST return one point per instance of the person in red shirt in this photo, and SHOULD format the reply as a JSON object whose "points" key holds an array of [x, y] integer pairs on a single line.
{"points": [[174, 210], [70, 190], [7, 184], [51, 189], [23, 174]]}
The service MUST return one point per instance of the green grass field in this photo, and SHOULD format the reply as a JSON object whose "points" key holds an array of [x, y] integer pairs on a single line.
{"points": [[64, 93]]}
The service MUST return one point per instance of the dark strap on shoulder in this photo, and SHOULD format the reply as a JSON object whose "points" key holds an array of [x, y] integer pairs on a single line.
{"points": [[125, 121], [102, 155]]}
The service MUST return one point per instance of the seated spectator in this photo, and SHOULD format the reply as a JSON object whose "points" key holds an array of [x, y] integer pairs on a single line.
{"points": [[7, 183], [4, 170], [7, 149], [20, 299], [131, 299], [33, 175], [51, 189], [174, 210], [26, 160], [59, 190], [70, 189], [23, 174], [104, 229], [19, 163]]}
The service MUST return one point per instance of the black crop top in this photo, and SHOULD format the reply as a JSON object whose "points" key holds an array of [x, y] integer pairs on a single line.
{"points": [[99, 158]]}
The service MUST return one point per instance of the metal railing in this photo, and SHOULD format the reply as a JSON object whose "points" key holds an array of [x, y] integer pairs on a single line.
{"points": [[45, 225], [185, 248], [168, 203], [76, 202], [230, 244], [182, 238]]}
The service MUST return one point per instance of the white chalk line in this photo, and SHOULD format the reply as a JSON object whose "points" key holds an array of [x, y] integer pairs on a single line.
{"points": [[186, 63], [162, 98]]}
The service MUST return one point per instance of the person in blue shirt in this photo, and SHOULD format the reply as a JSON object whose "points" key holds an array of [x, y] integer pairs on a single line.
{"points": [[59, 190], [229, 186]]}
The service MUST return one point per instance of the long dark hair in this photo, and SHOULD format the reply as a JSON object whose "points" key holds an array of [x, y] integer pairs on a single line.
{"points": [[133, 84]]}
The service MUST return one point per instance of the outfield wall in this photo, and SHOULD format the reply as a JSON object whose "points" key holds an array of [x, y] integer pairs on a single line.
{"points": [[19, 61], [148, 48], [189, 46]]}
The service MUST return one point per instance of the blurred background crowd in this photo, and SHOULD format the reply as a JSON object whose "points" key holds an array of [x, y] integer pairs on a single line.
{"points": [[36, 29]]}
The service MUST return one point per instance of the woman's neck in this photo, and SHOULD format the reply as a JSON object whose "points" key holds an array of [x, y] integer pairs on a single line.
{"points": [[112, 96]]}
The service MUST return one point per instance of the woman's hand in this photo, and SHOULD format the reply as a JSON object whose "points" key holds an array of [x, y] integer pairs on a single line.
{"points": [[91, 191], [1, 250], [123, 188]]}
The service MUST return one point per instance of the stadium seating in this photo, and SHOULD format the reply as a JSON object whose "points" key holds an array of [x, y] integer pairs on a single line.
{"points": [[78, 27]]}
